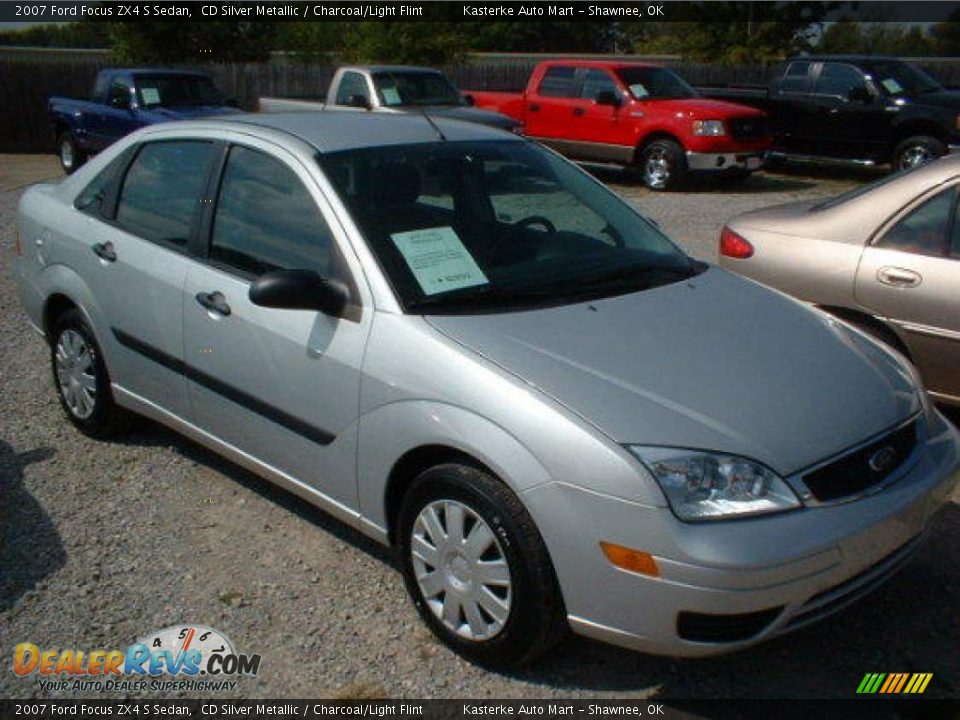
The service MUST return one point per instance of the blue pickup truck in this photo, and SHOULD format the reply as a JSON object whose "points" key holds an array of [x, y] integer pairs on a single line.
{"points": [[124, 100]]}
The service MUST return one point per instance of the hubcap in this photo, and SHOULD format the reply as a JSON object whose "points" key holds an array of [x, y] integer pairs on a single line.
{"points": [[656, 169], [462, 572], [66, 153], [914, 156], [76, 374]]}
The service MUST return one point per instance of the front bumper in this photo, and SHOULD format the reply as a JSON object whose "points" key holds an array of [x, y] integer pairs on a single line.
{"points": [[790, 569], [719, 162]]}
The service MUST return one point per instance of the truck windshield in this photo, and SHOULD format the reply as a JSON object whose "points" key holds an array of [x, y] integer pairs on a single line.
{"points": [[655, 83], [415, 88], [496, 226], [900, 78], [177, 91]]}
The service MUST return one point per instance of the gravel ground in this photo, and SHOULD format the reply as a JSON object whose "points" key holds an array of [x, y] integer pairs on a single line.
{"points": [[103, 542]]}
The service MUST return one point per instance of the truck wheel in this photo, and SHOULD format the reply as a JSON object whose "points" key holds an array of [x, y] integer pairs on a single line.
{"points": [[70, 154], [917, 150], [476, 567], [662, 165]]}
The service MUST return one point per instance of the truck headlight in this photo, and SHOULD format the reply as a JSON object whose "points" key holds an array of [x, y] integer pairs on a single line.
{"points": [[713, 486], [709, 127]]}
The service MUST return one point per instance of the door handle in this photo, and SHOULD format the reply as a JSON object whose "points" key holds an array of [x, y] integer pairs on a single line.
{"points": [[899, 277], [578, 111], [105, 251], [215, 302], [534, 108]]}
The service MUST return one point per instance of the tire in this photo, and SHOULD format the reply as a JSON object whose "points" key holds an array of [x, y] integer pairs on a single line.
{"points": [[70, 155], [80, 377], [663, 165], [519, 614], [917, 150]]}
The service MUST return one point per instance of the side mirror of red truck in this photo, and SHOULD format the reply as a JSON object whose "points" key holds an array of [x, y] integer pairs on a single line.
{"points": [[607, 97]]}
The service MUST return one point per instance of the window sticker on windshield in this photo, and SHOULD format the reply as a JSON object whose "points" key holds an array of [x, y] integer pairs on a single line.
{"points": [[438, 260], [638, 90], [892, 86], [390, 95], [151, 96]]}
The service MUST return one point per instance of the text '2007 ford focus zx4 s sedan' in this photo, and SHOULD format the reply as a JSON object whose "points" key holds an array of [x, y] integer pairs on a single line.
{"points": [[461, 344]]}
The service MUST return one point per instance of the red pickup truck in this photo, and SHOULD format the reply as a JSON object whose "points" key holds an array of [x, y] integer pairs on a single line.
{"points": [[636, 115]]}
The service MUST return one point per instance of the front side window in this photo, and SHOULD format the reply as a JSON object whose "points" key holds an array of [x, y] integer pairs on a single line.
{"points": [[352, 85], [924, 230], [559, 81], [797, 77], [119, 95], [161, 193], [266, 220], [460, 226], [655, 83], [838, 79], [597, 81]]}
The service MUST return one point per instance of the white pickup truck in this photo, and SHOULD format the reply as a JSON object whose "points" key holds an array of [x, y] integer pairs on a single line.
{"points": [[394, 89]]}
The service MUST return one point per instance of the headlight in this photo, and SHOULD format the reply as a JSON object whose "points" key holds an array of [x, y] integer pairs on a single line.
{"points": [[709, 127], [712, 486]]}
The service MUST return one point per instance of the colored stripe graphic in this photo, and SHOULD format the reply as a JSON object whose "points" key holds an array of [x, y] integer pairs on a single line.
{"points": [[894, 683]]}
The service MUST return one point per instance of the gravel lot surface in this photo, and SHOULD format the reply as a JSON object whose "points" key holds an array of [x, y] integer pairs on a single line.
{"points": [[104, 542]]}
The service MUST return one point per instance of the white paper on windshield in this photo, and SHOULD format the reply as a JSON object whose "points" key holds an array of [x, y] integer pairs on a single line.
{"points": [[639, 91], [151, 96], [892, 86], [438, 259], [390, 95]]}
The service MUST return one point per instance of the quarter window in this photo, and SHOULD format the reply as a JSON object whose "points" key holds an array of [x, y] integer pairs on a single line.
{"points": [[161, 193], [924, 230], [266, 220], [559, 81]]}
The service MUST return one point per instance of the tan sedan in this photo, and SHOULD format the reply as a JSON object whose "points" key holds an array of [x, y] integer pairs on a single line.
{"points": [[885, 256]]}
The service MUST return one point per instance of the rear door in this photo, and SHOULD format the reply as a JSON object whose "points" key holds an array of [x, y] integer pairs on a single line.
{"points": [[911, 275], [847, 126], [142, 248], [280, 385]]}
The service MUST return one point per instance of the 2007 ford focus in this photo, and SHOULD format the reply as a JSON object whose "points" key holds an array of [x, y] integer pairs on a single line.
{"points": [[463, 345]]}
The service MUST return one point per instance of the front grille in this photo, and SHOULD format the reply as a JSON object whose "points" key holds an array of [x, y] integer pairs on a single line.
{"points": [[748, 127], [864, 468], [700, 627]]}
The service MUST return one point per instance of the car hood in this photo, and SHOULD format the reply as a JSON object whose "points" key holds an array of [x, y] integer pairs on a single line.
{"points": [[715, 362], [705, 109], [188, 113], [469, 114], [940, 98]]}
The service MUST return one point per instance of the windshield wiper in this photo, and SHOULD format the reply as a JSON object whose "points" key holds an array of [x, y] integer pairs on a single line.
{"points": [[642, 276], [484, 296]]}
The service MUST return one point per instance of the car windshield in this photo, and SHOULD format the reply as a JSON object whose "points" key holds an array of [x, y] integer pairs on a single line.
{"points": [[656, 83], [415, 88], [900, 78], [471, 227], [177, 91]]}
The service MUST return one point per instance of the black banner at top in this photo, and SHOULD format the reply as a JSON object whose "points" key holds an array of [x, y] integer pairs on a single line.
{"points": [[437, 10]]}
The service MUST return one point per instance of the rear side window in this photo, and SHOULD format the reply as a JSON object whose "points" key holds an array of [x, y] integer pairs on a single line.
{"points": [[797, 77], [924, 230], [266, 220], [352, 84], [161, 194], [559, 81]]}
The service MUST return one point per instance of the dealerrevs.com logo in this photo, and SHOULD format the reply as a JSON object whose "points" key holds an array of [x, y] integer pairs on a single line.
{"points": [[181, 657]]}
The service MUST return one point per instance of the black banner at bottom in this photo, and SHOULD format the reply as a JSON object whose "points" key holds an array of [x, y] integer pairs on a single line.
{"points": [[217, 709]]}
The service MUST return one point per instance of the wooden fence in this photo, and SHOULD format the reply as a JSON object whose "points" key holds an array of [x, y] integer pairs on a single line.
{"points": [[26, 83]]}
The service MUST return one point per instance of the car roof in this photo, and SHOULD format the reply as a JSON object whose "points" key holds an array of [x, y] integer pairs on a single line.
{"points": [[153, 71], [844, 58], [604, 64], [391, 68], [334, 130]]}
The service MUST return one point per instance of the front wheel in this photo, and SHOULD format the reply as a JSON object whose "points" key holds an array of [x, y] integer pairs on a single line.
{"points": [[69, 152], [916, 151], [476, 567], [663, 165]]}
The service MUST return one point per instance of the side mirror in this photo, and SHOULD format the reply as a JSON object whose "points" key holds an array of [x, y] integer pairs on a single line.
{"points": [[607, 97], [119, 102], [299, 290], [358, 101], [859, 94], [469, 99]]}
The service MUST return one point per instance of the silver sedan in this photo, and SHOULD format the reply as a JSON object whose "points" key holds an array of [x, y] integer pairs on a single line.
{"points": [[464, 346]]}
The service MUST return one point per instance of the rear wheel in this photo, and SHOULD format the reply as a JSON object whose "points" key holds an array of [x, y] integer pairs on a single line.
{"points": [[917, 150], [80, 377], [70, 154], [476, 567], [663, 165]]}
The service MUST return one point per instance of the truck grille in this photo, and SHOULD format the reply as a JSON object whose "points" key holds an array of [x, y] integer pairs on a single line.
{"points": [[748, 127], [862, 469]]}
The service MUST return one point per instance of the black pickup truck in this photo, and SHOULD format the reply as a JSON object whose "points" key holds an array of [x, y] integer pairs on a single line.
{"points": [[858, 108]]}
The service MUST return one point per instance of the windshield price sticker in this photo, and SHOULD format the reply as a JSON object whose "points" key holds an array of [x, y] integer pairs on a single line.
{"points": [[438, 260], [151, 96]]}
